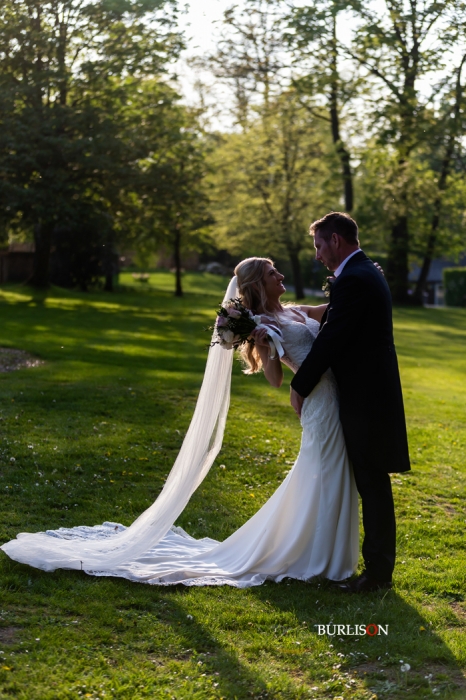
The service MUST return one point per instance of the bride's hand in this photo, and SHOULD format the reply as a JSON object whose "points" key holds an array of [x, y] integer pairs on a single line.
{"points": [[260, 337]]}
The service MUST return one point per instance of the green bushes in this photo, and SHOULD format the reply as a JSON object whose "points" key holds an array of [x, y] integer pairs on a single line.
{"points": [[454, 281]]}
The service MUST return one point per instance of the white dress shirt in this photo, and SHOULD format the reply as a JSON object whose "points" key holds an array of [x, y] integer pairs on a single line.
{"points": [[340, 267]]}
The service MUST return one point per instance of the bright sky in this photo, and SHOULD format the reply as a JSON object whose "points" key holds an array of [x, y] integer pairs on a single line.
{"points": [[199, 23]]}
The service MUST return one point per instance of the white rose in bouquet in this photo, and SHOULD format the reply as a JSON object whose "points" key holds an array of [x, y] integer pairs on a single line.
{"points": [[234, 324], [228, 336]]}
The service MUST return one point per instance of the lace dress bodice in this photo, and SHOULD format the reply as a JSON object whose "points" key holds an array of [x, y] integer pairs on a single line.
{"points": [[298, 337]]}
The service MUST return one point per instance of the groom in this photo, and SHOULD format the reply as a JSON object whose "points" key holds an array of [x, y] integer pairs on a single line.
{"points": [[356, 341]]}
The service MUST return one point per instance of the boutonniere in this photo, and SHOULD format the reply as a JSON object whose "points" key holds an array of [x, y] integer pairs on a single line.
{"points": [[328, 285]]}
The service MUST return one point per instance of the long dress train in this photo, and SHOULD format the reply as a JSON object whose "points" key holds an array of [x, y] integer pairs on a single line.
{"points": [[308, 528]]}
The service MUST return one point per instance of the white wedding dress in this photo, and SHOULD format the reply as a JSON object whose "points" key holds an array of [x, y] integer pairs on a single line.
{"points": [[308, 528]]}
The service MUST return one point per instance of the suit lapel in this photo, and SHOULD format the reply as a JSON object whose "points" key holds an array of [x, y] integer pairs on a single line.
{"points": [[357, 258]]}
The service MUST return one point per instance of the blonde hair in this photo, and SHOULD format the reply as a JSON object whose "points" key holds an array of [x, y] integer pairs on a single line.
{"points": [[250, 277]]}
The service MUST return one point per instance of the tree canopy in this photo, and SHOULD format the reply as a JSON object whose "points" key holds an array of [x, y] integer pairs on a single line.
{"points": [[351, 106]]}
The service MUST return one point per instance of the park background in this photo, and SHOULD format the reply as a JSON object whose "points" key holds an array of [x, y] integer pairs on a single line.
{"points": [[134, 153]]}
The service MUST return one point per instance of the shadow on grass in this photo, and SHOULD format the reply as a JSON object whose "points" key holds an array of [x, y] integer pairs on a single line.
{"points": [[129, 338], [173, 628], [149, 625], [376, 660], [120, 342], [140, 338]]}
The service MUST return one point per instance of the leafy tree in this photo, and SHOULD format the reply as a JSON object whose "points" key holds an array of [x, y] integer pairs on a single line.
{"points": [[450, 146], [82, 252], [64, 67], [395, 49], [435, 205], [268, 170], [181, 210], [325, 92], [166, 199], [263, 50], [270, 181], [251, 56]]}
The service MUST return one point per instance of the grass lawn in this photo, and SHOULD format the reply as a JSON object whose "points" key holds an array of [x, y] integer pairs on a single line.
{"points": [[92, 433]]}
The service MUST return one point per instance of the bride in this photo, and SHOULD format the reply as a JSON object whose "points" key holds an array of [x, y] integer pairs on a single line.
{"points": [[309, 527]]}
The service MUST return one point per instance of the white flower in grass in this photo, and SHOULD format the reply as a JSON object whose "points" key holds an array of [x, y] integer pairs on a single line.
{"points": [[405, 668]]}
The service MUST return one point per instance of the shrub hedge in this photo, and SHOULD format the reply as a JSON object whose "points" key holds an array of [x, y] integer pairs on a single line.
{"points": [[454, 281]]}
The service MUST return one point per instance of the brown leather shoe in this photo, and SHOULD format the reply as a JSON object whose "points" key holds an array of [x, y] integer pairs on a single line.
{"points": [[363, 584]]}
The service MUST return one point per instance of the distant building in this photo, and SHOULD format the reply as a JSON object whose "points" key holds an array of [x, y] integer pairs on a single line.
{"points": [[434, 293], [17, 263]]}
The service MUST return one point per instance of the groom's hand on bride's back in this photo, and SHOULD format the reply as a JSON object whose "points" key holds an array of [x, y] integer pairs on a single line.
{"points": [[296, 401]]}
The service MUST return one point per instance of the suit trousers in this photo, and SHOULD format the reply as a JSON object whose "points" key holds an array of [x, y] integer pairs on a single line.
{"points": [[378, 516]]}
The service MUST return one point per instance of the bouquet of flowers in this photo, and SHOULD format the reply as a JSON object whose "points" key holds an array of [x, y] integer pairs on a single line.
{"points": [[234, 326]]}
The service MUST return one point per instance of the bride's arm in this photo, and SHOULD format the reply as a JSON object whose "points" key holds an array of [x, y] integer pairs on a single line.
{"points": [[315, 312], [273, 369]]}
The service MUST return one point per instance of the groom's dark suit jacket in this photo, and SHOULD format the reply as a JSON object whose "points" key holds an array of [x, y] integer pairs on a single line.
{"points": [[356, 341]]}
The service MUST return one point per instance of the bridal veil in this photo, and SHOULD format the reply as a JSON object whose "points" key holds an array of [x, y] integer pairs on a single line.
{"points": [[197, 454]]}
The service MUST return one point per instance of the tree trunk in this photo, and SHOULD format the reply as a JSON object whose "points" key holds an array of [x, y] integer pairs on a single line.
{"points": [[177, 259], [110, 262], [442, 185], [335, 124], [418, 297], [398, 249], [42, 241], [347, 176], [397, 264], [297, 275], [108, 286]]}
